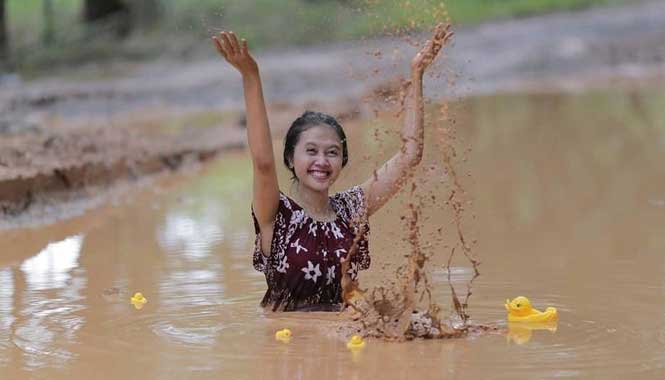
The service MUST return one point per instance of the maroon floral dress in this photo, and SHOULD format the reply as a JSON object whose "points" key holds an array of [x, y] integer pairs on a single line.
{"points": [[303, 269]]}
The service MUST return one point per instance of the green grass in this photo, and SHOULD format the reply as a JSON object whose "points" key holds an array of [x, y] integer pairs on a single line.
{"points": [[185, 25], [473, 11]]}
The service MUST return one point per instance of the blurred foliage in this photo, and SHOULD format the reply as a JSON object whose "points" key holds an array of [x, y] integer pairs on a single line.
{"points": [[182, 27]]}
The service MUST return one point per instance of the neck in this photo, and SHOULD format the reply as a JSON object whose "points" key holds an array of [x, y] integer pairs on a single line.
{"points": [[315, 201]]}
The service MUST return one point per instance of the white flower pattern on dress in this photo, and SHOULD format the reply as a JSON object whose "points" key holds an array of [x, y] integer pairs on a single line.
{"points": [[353, 271], [312, 228], [298, 247], [330, 276], [283, 265], [337, 233], [340, 252], [311, 272], [298, 217]]}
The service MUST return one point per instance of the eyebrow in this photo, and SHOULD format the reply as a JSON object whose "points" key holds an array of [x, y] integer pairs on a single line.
{"points": [[335, 146]]}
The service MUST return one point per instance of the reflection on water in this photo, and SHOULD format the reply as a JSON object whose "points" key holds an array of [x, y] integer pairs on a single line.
{"points": [[567, 192], [521, 333], [6, 316], [190, 235], [47, 313], [50, 268]]}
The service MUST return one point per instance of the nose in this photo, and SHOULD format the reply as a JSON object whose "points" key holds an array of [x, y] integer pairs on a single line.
{"points": [[322, 161]]}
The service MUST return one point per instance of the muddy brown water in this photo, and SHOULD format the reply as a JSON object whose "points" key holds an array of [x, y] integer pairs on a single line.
{"points": [[568, 208]]}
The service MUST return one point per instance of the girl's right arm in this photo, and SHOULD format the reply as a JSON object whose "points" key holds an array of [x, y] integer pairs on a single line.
{"points": [[266, 188]]}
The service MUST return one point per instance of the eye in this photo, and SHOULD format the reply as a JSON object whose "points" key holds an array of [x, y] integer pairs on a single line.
{"points": [[518, 305], [332, 153], [311, 150]]}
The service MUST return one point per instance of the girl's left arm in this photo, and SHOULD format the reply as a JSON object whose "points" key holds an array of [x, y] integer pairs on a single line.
{"points": [[390, 177]]}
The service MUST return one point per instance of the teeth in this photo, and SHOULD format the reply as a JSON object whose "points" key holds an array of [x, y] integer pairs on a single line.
{"points": [[319, 174]]}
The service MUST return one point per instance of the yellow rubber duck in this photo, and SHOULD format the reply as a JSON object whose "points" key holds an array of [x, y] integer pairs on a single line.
{"points": [[283, 335], [138, 301], [355, 343], [520, 310]]}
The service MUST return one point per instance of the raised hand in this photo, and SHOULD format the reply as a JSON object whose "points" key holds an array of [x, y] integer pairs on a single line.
{"points": [[235, 53], [428, 53]]}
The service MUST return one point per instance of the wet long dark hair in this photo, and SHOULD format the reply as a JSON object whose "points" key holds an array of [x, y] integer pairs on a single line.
{"points": [[304, 122]]}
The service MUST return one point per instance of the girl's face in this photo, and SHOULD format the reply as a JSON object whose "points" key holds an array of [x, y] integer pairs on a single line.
{"points": [[317, 158]]}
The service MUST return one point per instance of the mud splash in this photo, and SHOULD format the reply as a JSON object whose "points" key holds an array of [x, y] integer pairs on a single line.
{"points": [[404, 309]]}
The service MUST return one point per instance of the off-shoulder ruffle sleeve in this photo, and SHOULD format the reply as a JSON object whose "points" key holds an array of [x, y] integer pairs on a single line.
{"points": [[280, 236], [352, 206]]}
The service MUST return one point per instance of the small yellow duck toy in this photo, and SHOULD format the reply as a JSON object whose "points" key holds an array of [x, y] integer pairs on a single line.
{"points": [[283, 335], [520, 310], [138, 301], [355, 343]]}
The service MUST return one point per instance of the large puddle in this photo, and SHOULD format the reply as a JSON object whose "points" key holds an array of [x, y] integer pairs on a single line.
{"points": [[568, 209]]}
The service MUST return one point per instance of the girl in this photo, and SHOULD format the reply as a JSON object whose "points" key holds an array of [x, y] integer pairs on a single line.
{"points": [[310, 244]]}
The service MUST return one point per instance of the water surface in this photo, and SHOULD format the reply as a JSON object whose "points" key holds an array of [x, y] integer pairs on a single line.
{"points": [[568, 209]]}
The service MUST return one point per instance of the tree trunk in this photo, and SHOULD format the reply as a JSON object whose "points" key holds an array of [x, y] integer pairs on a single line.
{"points": [[4, 36], [48, 34], [95, 10], [114, 11], [146, 13]]}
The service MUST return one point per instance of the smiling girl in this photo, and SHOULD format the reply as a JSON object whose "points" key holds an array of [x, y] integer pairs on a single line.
{"points": [[311, 243]]}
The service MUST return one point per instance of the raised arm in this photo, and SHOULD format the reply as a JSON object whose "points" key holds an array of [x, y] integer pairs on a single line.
{"points": [[390, 177], [266, 188]]}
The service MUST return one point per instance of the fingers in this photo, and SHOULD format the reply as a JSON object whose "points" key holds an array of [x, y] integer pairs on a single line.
{"points": [[234, 42], [440, 30], [228, 47], [436, 46], [225, 46], [243, 48], [219, 46], [431, 48], [442, 35]]}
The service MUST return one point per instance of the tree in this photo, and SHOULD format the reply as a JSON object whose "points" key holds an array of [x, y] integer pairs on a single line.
{"points": [[96, 10], [114, 11], [146, 12]]}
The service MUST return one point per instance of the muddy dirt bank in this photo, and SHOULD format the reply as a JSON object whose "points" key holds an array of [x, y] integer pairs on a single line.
{"points": [[61, 165]]}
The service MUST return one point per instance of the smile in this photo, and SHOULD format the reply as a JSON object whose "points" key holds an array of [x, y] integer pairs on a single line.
{"points": [[319, 174]]}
